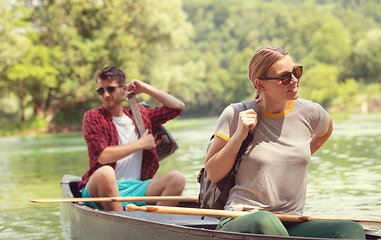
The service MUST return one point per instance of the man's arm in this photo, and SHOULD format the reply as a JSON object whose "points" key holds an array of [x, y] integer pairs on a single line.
{"points": [[114, 153], [317, 141], [163, 97]]}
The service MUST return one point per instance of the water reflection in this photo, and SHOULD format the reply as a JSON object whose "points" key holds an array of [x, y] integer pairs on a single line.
{"points": [[344, 176]]}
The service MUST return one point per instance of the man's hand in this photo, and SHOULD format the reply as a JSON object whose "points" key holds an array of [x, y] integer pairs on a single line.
{"points": [[147, 140], [164, 98], [137, 86]]}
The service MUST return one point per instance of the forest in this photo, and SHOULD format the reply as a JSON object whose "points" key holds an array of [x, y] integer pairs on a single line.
{"points": [[197, 50]]}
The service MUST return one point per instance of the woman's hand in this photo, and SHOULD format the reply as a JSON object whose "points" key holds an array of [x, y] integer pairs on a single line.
{"points": [[222, 154], [247, 121]]}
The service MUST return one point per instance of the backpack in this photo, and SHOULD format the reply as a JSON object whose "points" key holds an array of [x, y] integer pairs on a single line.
{"points": [[165, 144], [214, 195]]}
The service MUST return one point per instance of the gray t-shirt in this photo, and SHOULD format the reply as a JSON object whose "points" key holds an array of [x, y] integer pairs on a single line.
{"points": [[273, 172]]}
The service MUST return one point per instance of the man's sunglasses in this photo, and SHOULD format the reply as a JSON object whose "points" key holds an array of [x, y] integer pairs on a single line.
{"points": [[286, 77], [110, 90]]}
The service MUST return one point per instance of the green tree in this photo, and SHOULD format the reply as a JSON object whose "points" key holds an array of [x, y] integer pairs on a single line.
{"points": [[349, 96], [35, 74], [197, 50], [14, 44], [367, 57], [239, 87], [331, 43], [320, 83], [72, 39]]}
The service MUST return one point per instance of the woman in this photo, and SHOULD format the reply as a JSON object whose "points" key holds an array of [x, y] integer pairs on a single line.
{"points": [[272, 177]]}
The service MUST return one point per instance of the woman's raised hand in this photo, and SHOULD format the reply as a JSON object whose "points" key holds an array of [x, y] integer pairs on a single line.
{"points": [[247, 121]]}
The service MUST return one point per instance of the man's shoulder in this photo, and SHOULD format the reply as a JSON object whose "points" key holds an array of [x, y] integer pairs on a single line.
{"points": [[127, 110], [97, 114], [96, 111]]}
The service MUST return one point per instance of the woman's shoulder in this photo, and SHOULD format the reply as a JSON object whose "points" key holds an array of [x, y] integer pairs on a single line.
{"points": [[303, 101], [307, 104], [244, 105], [310, 109], [239, 106], [233, 109]]}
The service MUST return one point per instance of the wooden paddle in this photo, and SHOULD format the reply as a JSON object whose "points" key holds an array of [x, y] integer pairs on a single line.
{"points": [[117, 199], [234, 214]]}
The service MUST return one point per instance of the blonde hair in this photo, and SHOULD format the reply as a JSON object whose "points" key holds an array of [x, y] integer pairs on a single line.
{"points": [[261, 61]]}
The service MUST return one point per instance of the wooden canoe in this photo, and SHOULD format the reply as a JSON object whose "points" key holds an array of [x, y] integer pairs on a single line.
{"points": [[81, 222]]}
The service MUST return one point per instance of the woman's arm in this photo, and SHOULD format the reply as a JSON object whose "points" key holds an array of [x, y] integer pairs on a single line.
{"points": [[221, 155], [317, 141]]}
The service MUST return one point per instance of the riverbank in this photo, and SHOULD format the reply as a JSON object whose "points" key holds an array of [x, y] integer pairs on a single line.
{"points": [[38, 127], [28, 128], [35, 128]]}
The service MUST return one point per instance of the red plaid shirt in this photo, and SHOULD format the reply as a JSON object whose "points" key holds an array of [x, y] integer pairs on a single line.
{"points": [[100, 132]]}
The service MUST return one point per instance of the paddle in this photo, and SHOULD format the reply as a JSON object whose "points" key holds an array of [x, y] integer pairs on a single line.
{"points": [[117, 199], [234, 214]]}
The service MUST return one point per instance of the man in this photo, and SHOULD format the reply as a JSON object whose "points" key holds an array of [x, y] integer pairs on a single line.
{"points": [[122, 163]]}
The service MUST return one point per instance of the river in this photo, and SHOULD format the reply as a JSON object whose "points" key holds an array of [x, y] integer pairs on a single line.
{"points": [[344, 175]]}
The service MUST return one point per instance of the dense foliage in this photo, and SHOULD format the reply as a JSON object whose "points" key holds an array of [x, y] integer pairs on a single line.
{"points": [[197, 50]]}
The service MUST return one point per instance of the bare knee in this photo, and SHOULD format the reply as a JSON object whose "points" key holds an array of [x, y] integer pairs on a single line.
{"points": [[170, 184], [177, 181], [102, 182], [105, 174]]}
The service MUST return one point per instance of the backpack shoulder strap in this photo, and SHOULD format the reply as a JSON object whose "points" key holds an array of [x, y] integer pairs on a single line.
{"points": [[251, 104], [135, 111]]}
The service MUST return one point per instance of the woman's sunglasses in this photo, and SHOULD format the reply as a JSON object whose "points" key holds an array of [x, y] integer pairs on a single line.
{"points": [[110, 90], [286, 77]]}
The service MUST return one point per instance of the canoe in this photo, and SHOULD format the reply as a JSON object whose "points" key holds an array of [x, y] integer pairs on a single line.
{"points": [[81, 222]]}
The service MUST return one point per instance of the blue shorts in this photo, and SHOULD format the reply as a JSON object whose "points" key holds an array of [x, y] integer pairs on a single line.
{"points": [[127, 188]]}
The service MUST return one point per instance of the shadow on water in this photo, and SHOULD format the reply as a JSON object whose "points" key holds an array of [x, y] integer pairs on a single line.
{"points": [[344, 175]]}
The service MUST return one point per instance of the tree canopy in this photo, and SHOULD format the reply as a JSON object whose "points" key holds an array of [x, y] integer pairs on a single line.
{"points": [[197, 50]]}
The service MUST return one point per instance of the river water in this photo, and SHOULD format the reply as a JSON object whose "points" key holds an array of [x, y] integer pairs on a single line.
{"points": [[344, 175]]}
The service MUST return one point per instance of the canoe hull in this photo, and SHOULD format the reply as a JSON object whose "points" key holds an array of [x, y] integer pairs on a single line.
{"points": [[81, 222]]}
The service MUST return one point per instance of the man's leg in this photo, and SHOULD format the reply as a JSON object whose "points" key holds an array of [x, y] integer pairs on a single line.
{"points": [[169, 184], [102, 183]]}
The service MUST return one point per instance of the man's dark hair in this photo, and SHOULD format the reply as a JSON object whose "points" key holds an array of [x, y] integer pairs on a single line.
{"points": [[111, 73]]}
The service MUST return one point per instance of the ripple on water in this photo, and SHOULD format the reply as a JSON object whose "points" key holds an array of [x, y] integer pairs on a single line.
{"points": [[344, 179]]}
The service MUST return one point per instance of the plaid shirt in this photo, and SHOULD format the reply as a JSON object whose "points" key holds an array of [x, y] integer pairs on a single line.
{"points": [[100, 132]]}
